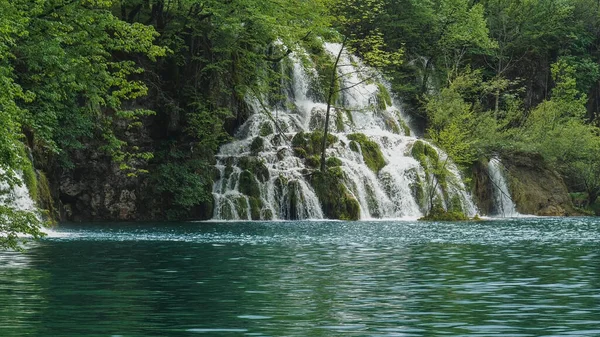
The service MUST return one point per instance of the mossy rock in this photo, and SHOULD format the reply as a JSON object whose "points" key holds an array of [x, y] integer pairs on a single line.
{"points": [[421, 150], [256, 166], [313, 161], [281, 153], [317, 119], [339, 120], [429, 159], [333, 162], [370, 150], [336, 200], [266, 129], [255, 207], [248, 184], [309, 143], [29, 176], [300, 152], [277, 140], [417, 188], [404, 126], [241, 206], [372, 202], [258, 145], [383, 97], [267, 214], [45, 199], [294, 198], [391, 125], [439, 214], [226, 211]]}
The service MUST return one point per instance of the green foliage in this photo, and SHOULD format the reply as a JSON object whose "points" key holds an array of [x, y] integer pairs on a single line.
{"points": [[183, 185], [370, 151], [14, 224], [451, 120]]}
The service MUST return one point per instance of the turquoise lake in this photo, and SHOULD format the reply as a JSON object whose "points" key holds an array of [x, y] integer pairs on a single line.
{"points": [[513, 277]]}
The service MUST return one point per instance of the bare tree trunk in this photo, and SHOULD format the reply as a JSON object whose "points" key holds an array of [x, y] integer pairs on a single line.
{"points": [[329, 103]]}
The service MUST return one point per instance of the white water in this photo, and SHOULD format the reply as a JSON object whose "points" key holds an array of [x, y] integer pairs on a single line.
{"points": [[18, 196], [503, 204], [287, 194]]}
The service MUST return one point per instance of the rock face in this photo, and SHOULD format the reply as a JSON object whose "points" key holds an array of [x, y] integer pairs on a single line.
{"points": [[482, 187], [535, 188], [98, 190]]}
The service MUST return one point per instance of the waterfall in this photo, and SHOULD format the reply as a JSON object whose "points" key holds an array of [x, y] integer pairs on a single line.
{"points": [[262, 175], [16, 196], [503, 204]]}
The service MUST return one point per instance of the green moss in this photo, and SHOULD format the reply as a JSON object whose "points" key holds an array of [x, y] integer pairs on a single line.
{"points": [[300, 152], [336, 200], [258, 145], [29, 176], [30, 180], [404, 126], [45, 196], [349, 116], [255, 206], [333, 161], [241, 206], [370, 150], [311, 142], [417, 188], [439, 214], [255, 166], [429, 159], [308, 146], [266, 129], [339, 120], [319, 85], [267, 214], [248, 184], [383, 97], [391, 125], [313, 161]]}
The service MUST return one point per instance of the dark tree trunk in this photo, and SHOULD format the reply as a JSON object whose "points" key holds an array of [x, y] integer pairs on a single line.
{"points": [[329, 99]]}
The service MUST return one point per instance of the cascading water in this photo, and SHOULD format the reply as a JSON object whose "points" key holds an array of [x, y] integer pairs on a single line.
{"points": [[503, 204], [16, 196], [263, 175]]}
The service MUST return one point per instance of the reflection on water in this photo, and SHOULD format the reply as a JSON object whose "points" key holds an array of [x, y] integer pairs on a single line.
{"points": [[525, 277]]}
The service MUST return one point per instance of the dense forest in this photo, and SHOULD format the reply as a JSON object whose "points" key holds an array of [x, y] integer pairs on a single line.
{"points": [[144, 92]]}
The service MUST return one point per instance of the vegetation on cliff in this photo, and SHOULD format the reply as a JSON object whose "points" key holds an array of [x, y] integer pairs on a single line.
{"points": [[154, 87]]}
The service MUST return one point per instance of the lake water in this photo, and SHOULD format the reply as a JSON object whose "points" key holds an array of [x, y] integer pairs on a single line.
{"points": [[520, 277]]}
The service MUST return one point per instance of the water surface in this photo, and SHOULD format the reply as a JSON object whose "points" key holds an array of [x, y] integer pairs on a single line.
{"points": [[519, 277]]}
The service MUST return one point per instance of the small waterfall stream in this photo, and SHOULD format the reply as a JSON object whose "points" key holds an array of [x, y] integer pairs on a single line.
{"points": [[17, 197], [262, 176], [503, 204]]}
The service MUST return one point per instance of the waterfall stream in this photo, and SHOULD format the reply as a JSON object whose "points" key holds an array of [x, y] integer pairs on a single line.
{"points": [[503, 204], [262, 176], [16, 196]]}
